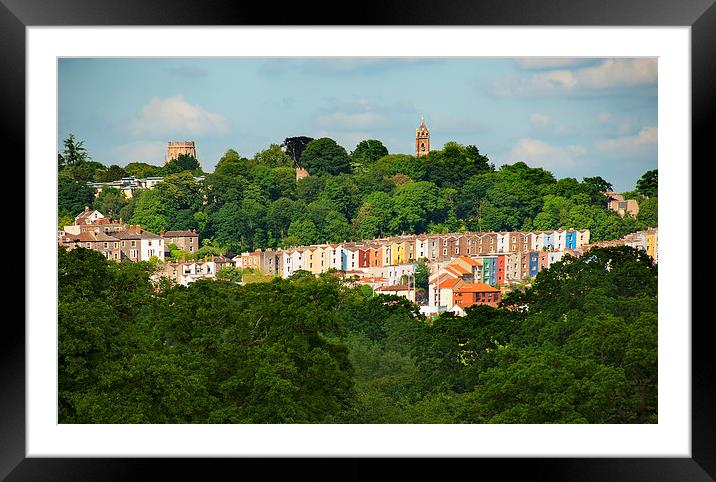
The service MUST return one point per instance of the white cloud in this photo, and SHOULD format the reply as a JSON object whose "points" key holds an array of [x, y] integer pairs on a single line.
{"points": [[176, 116], [540, 120], [610, 73], [360, 114], [539, 153], [622, 125], [646, 138], [357, 120], [619, 72], [548, 62], [151, 152]]}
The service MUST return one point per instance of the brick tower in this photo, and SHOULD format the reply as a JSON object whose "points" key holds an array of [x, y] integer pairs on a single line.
{"points": [[422, 139]]}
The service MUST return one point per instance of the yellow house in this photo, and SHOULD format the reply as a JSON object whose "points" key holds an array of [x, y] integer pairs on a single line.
{"points": [[387, 254], [314, 259], [397, 253], [651, 242], [325, 258], [404, 252]]}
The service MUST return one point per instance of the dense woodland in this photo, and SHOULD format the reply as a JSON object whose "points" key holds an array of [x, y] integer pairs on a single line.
{"points": [[258, 203], [579, 346]]}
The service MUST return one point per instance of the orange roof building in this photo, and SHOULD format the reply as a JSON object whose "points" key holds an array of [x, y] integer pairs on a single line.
{"points": [[470, 294]]}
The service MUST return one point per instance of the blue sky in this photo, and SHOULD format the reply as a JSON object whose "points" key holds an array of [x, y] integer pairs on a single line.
{"points": [[574, 117]]}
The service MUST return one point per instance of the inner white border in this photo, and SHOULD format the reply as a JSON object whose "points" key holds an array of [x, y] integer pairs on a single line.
{"points": [[670, 437]]}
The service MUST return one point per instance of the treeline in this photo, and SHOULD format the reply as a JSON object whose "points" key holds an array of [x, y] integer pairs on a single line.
{"points": [[579, 346], [257, 203]]}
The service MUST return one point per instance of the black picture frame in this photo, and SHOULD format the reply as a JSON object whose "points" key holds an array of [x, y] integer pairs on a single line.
{"points": [[16, 15]]}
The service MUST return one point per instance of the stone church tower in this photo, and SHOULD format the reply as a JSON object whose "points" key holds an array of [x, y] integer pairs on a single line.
{"points": [[422, 139], [176, 149]]}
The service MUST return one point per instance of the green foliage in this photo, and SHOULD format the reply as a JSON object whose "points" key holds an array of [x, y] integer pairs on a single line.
{"points": [[324, 157], [578, 346], [73, 196], [230, 273], [210, 353], [252, 203], [112, 173], [294, 147], [648, 184], [182, 163], [274, 157], [368, 151], [74, 154], [110, 202], [648, 214], [142, 170], [454, 164], [416, 205]]}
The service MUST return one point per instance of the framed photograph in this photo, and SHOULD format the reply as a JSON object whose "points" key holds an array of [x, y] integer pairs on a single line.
{"points": [[249, 228]]}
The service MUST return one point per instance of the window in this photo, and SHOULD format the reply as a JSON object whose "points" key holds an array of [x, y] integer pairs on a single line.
{"points": [[134, 244], [445, 252], [106, 245], [123, 244], [150, 243], [191, 249]]}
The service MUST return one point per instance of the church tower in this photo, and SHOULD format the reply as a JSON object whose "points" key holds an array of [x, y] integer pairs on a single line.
{"points": [[422, 139]]}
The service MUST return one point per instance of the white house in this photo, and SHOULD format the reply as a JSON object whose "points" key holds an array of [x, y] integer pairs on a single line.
{"points": [[150, 245]]}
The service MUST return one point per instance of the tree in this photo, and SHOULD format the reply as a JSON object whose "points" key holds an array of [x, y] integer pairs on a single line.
{"points": [[336, 228], [230, 273], [74, 153], [309, 188], [110, 201], [368, 151], [183, 163], [73, 196], [480, 161], [274, 156], [375, 216], [281, 213], [112, 173], [142, 169], [648, 184], [324, 157], [150, 212], [454, 164], [305, 231], [416, 205], [294, 146], [649, 212], [422, 273], [342, 192], [598, 184]]}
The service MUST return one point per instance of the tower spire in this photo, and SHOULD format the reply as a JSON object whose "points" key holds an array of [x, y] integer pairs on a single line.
{"points": [[422, 139]]}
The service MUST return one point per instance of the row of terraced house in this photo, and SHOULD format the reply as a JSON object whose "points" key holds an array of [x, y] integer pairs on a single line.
{"points": [[465, 268], [383, 256], [117, 240]]}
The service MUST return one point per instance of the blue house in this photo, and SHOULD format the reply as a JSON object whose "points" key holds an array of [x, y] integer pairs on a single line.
{"points": [[534, 263]]}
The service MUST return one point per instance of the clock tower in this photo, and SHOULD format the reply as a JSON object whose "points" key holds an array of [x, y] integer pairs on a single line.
{"points": [[422, 139]]}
